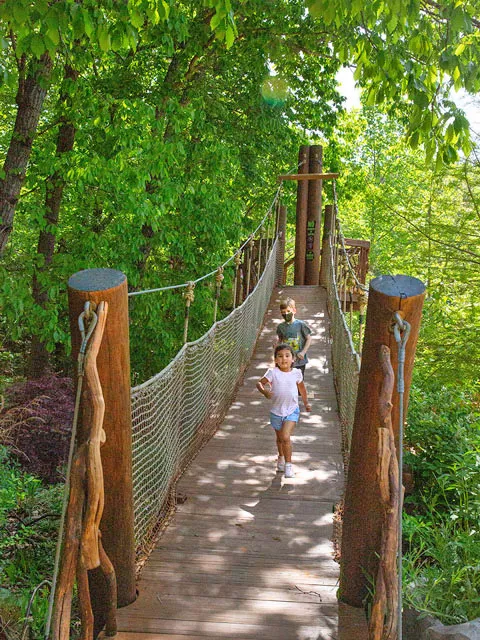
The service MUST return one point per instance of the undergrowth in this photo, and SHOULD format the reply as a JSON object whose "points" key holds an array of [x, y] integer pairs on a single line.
{"points": [[29, 519], [442, 520]]}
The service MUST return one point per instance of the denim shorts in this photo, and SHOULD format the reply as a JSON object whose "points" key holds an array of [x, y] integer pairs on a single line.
{"points": [[277, 421]]}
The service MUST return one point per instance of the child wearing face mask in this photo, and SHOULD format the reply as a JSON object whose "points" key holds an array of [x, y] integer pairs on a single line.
{"points": [[294, 332]]}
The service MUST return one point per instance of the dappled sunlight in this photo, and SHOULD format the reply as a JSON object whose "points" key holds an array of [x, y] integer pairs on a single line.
{"points": [[249, 553]]}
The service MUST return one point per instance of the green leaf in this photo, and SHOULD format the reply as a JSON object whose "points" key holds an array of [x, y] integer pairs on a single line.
{"points": [[37, 45], [20, 13], [229, 37], [103, 38], [136, 18]]}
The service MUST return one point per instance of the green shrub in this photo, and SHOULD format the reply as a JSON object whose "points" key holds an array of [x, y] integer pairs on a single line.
{"points": [[29, 518], [442, 524]]}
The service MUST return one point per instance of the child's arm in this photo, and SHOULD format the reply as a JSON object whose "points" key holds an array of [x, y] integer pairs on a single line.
{"points": [[303, 392], [301, 354], [261, 387]]}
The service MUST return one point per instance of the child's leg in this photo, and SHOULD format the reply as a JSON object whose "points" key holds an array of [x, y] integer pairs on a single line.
{"points": [[283, 438], [279, 444]]}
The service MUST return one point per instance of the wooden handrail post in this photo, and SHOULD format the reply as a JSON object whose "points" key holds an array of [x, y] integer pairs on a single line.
{"points": [[113, 363], [301, 223], [282, 230], [314, 214], [327, 231], [363, 512]]}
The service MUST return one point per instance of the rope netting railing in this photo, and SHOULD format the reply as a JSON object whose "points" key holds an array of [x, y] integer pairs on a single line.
{"points": [[178, 410], [342, 285]]}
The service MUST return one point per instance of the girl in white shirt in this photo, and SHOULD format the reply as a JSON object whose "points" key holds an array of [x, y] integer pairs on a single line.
{"points": [[283, 384]]}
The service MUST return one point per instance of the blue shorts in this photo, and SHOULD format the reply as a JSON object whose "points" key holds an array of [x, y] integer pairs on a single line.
{"points": [[277, 421]]}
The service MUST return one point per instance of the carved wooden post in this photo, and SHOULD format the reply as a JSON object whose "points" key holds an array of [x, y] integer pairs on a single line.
{"points": [[113, 364], [314, 214], [301, 225], [282, 228], [363, 514], [327, 231]]}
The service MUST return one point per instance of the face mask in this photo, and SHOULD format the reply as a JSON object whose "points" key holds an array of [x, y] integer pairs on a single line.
{"points": [[287, 316]]}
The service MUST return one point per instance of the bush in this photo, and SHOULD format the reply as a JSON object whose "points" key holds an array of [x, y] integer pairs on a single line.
{"points": [[29, 519], [442, 526]]}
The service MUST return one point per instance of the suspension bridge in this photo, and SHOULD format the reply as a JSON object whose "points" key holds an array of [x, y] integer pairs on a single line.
{"points": [[199, 536]]}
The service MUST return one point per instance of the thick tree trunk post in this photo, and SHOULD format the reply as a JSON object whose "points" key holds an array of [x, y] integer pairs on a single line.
{"points": [[282, 229], [314, 214], [363, 514], [301, 225], [55, 183], [31, 93], [113, 364], [327, 231]]}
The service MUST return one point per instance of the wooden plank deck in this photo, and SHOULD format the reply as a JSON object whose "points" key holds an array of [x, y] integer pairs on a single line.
{"points": [[249, 554]]}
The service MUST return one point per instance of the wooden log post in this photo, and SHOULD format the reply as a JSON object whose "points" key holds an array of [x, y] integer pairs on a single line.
{"points": [[314, 211], [327, 231], [363, 511], [301, 218], [281, 239], [113, 364]]}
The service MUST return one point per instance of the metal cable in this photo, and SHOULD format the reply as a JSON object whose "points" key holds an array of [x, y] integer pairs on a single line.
{"points": [[232, 257], [401, 331]]}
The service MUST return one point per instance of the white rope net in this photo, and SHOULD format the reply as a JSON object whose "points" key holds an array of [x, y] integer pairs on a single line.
{"points": [[345, 359], [178, 410]]}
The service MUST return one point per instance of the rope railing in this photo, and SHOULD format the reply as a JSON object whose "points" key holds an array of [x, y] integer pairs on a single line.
{"points": [[266, 217], [342, 284], [178, 410]]}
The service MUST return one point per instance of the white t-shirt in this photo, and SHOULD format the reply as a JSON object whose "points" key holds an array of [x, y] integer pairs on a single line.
{"points": [[284, 390]]}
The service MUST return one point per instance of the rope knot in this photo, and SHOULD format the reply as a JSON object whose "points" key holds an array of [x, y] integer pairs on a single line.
{"points": [[362, 301], [238, 260], [188, 294], [219, 277]]}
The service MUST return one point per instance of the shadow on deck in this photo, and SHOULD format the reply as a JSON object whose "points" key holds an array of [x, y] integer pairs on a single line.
{"points": [[249, 554]]}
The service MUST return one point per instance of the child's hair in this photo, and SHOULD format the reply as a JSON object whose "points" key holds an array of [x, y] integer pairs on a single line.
{"points": [[287, 302], [282, 347]]}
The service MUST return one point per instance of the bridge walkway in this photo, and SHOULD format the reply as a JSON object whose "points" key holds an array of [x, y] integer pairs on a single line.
{"points": [[249, 554]]}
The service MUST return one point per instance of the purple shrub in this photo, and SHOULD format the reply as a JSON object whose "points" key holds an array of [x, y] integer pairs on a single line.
{"points": [[37, 424]]}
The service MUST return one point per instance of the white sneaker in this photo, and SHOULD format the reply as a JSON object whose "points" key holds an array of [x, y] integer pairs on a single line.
{"points": [[280, 464], [289, 470]]}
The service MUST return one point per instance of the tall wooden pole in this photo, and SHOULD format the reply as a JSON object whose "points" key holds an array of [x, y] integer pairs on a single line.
{"points": [[314, 214], [282, 228], [113, 365], [327, 231], [363, 513], [301, 223]]}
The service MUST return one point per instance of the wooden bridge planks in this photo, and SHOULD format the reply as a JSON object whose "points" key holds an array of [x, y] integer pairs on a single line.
{"points": [[249, 554]]}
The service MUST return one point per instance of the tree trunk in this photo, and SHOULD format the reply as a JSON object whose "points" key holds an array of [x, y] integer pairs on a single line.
{"points": [[30, 96], [55, 185]]}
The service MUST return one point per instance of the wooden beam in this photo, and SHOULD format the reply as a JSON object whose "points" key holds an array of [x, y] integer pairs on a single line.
{"points": [[308, 176]]}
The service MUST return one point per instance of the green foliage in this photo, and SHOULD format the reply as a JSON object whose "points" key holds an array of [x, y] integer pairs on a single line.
{"points": [[29, 517], [423, 222], [409, 56], [176, 155], [440, 566]]}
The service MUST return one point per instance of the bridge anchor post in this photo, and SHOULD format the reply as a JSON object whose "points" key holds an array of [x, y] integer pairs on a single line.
{"points": [[363, 511], [113, 363]]}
